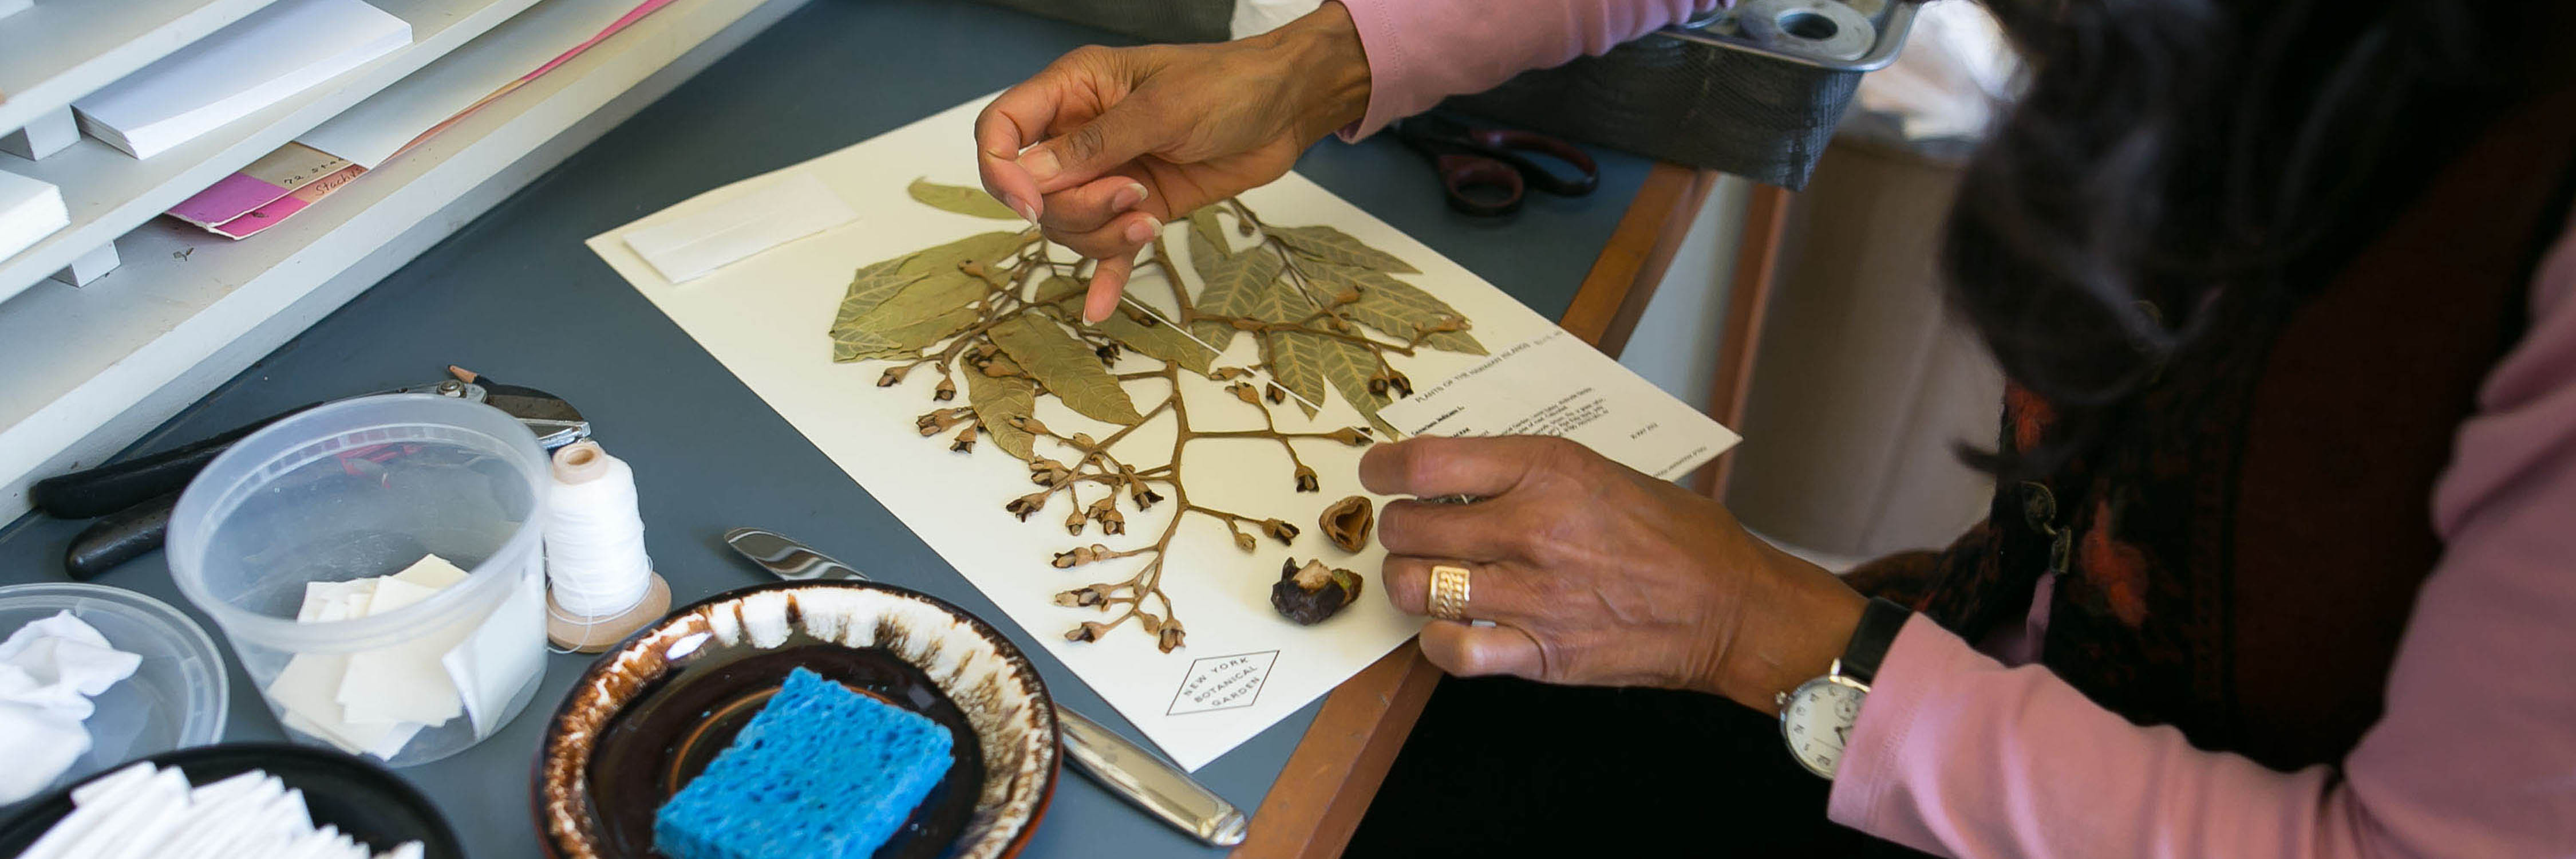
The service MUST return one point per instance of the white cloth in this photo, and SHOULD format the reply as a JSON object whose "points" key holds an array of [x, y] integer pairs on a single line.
{"points": [[48, 671]]}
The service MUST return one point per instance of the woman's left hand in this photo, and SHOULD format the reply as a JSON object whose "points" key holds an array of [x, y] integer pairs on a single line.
{"points": [[1596, 574]]}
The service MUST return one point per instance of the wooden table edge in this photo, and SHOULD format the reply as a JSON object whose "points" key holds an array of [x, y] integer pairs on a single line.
{"points": [[1329, 780]]}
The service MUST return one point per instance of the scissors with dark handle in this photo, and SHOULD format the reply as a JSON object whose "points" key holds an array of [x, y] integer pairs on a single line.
{"points": [[1487, 171], [132, 500]]}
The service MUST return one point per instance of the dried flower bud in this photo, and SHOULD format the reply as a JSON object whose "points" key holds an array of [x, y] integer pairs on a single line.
{"points": [[946, 391], [984, 351], [1047, 472], [1170, 639], [1074, 557], [1346, 296], [1306, 480], [1244, 541], [1108, 353], [965, 442], [1347, 522], [1112, 523], [1026, 504], [1082, 596], [1083, 440], [1245, 393], [1144, 496], [1313, 593], [1278, 530], [1377, 385], [1031, 424], [1353, 436], [1341, 325], [1088, 631], [1147, 620], [1223, 373], [1277, 394], [972, 267], [1073, 523], [1403, 386], [936, 422], [893, 376]]}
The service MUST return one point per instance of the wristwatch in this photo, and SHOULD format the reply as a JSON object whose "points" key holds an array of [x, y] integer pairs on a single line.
{"points": [[1816, 718]]}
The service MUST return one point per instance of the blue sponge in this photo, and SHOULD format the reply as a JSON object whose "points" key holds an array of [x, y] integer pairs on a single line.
{"points": [[821, 773]]}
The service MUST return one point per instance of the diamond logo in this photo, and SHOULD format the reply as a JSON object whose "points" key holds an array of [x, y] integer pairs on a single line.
{"points": [[1223, 683]]}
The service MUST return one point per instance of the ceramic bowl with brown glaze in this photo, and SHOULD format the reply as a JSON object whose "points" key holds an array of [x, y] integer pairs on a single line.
{"points": [[649, 715]]}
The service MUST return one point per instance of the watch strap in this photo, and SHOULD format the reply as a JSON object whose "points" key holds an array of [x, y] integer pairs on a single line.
{"points": [[1879, 624]]}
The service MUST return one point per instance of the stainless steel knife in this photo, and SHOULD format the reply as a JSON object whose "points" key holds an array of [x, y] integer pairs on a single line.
{"points": [[1126, 768]]}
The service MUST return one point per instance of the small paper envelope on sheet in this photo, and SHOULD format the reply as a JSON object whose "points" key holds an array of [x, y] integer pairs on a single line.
{"points": [[795, 206]]}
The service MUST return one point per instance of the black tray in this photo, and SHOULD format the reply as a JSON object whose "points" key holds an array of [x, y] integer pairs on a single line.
{"points": [[366, 801]]}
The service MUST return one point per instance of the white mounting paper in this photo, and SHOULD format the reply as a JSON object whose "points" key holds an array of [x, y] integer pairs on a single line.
{"points": [[1244, 668]]}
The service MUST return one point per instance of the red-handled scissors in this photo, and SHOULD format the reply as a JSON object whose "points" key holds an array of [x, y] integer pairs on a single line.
{"points": [[1485, 171]]}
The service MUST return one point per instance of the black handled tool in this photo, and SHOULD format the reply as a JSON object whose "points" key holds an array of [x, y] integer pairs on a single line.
{"points": [[135, 498]]}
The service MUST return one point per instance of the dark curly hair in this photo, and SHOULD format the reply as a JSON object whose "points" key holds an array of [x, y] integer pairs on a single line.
{"points": [[2164, 152]]}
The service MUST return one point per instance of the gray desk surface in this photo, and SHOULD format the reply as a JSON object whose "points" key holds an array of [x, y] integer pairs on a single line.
{"points": [[516, 295]]}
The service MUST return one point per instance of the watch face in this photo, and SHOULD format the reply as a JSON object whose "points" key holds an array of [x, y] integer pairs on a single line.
{"points": [[1818, 720]]}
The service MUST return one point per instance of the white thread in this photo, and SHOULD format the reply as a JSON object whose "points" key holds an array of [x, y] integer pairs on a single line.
{"points": [[1167, 322], [595, 556]]}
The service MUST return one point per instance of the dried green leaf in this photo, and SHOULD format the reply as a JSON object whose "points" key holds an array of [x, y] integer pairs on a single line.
{"points": [[1203, 223], [1158, 340], [996, 402], [1339, 248], [1066, 367], [1307, 363], [872, 285], [1395, 308], [901, 341], [1243, 285], [962, 200]]}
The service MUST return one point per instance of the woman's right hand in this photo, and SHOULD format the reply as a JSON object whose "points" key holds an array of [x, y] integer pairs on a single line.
{"points": [[1106, 144]]}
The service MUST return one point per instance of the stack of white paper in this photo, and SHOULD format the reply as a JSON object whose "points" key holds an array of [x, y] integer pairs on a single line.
{"points": [[284, 49], [148, 811], [29, 211]]}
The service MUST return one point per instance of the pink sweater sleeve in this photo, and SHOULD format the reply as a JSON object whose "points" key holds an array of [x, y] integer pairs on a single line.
{"points": [[2476, 755], [1422, 51]]}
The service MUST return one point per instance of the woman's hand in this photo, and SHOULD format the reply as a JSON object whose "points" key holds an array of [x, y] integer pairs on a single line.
{"points": [[1595, 574], [1127, 138]]}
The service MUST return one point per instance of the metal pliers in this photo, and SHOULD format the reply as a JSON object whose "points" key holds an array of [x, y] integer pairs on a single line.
{"points": [[132, 500]]}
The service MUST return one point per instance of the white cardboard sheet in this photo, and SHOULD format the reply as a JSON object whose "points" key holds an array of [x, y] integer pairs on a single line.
{"points": [[1244, 668]]}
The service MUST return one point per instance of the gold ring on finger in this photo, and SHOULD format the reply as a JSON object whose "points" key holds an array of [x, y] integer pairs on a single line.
{"points": [[1449, 589]]}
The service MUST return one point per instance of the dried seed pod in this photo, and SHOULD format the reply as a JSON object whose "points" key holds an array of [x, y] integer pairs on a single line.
{"points": [[1377, 385], [1306, 480], [972, 267], [1083, 440], [1278, 530], [1312, 593], [1346, 296], [1341, 325], [1047, 472], [1147, 620], [1244, 541], [1144, 496], [1108, 353], [894, 376], [1088, 631], [1353, 436], [936, 422], [1073, 523], [1277, 394], [1245, 393], [1403, 386], [1347, 522], [946, 391], [1171, 637], [1223, 373], [1031, 424], [965, 442], [1025, 505], [1076, 556], [1086, 595]]}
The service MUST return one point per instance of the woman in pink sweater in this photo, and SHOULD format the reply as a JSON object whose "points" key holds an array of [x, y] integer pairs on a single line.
{"points": [[2283, 562]]}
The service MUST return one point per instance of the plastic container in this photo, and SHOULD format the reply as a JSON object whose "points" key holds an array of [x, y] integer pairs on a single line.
{"points": [[363, 488], [176, 698]]}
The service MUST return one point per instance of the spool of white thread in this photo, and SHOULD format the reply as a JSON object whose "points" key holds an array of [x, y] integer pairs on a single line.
{"points": [[601, 584]]}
